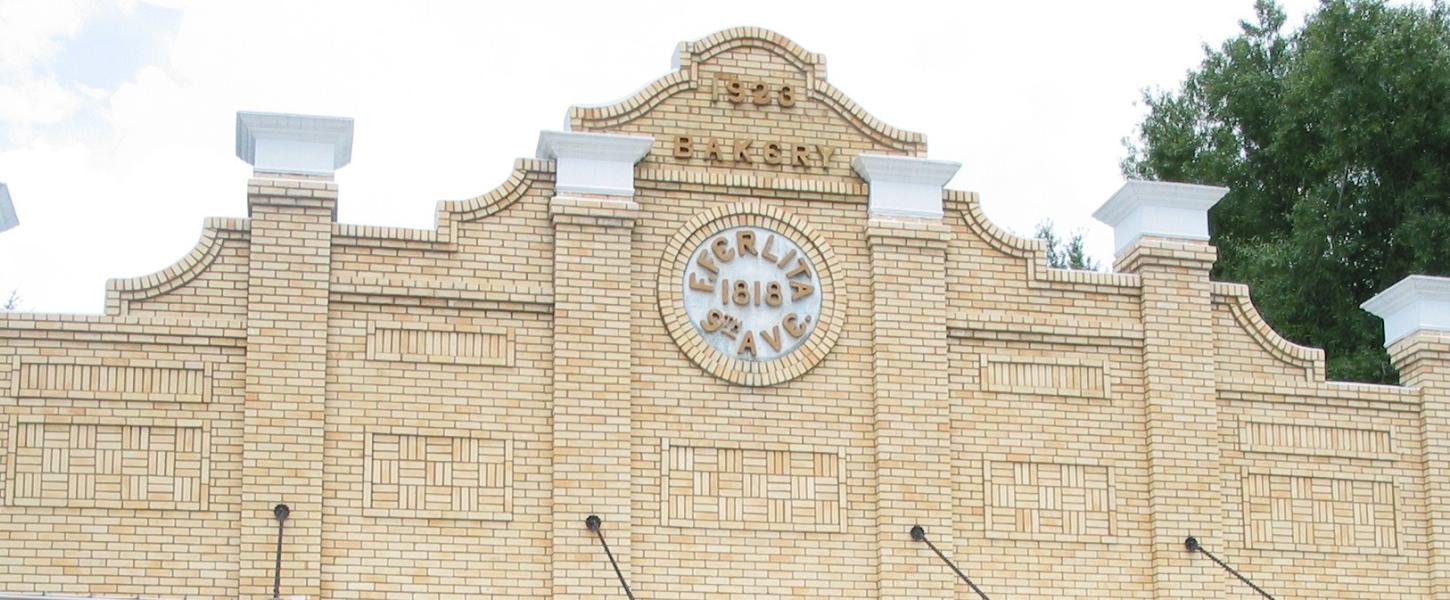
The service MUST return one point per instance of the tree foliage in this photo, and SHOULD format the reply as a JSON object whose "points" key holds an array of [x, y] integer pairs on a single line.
{"points": [[1334, 141], [1064, 254]]}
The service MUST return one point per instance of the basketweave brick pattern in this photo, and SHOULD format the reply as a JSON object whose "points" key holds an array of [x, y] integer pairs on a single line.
{"points": [[970, 388], [59, 463], [1291, 512], [1049, 500], [752, 488], [438, 476]]}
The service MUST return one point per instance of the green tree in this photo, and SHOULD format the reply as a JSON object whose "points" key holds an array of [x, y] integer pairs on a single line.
{"points": [[1334, 141], [12, 303], [1064, 254]]}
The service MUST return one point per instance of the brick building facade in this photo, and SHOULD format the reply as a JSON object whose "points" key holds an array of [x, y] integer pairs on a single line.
{"points": [[740, 320]]}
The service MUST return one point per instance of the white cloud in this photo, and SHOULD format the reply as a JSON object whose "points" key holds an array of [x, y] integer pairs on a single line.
{"points": [[31, 30], [39, 101]]}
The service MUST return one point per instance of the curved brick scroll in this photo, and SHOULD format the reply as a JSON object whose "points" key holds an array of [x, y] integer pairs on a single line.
{"points": [[765, 368]]}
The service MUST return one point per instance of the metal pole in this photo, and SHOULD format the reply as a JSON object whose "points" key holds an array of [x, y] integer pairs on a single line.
{"points": [[281, 511], [1194, 546], [919, 534], [595, 524]]}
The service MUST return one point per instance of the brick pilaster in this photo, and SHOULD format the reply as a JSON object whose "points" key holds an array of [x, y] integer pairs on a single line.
{"points": [[1423, 360], [287, 289], [1182, 412], [592, 382], [913, 415]]}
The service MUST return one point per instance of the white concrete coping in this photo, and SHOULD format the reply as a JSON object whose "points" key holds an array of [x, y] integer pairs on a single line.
{"points": [[905, 185], [8, 220], [1160, 209], [593, 163], [1417, 302], [285, 143]]}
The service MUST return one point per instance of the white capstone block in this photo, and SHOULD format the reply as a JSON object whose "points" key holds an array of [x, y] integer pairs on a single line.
{"points": [[8, 219], [593, 163], [905, 185], [1417, 302], [1159, 209], [303, 144]]}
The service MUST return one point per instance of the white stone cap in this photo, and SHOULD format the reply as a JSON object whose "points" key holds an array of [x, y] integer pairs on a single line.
{"points": [[593, 163], [1417, 302], [905, 185], [1160, 209], [303, 144], [8, 219]]}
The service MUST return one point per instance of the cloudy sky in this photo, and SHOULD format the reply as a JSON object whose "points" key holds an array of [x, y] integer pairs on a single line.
{"points": [[116, 117]]}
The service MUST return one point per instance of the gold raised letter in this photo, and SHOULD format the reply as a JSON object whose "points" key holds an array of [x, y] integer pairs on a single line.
{"points": [[745, 242], [801, 152], [742, 150], [735, 91], [747, 344], [786, 259], [772, 154], [800, 267], [707, 263], [766, 253], [795, 324], [712, 150], [713, 321], [683, 149], [800, 289], [773, 295], [703, 285], [721, 248], [826, 153], [760, 94], [772, 337]]}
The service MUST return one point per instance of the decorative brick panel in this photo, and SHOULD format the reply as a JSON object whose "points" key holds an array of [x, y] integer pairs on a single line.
{"points": [[70, 379], [438, 477], [1044, 376], [741, 488], [1049, 501], [107, 465], [440, 344], [1324, 514], [1316, 440]]}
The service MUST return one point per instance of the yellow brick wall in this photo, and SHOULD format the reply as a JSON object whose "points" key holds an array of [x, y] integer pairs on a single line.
{"points": [[442, 408]]}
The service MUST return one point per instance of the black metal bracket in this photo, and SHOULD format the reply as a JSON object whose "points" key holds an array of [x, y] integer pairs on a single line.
{"points": [[596, 524], [279, 512], [1193, 545], [918, 533]]}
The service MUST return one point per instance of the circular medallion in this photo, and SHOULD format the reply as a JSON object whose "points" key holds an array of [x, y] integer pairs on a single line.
{"points": [[748, 293]]}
